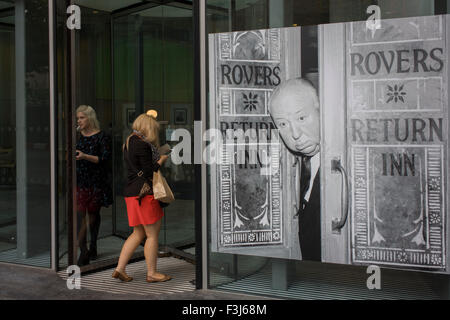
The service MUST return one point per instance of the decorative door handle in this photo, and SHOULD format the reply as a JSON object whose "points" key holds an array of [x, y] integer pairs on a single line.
{"points": [[338, 224]]}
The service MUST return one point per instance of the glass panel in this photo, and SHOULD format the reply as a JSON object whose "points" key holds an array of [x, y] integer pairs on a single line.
{"points": [[263, 275], [125, 58], [159, 77], [8, 211], [153, 73], [6, 5], [25, 229], [106, 5], [95, 219], [61, 43], [230, 15], [94, 89], [153, 59], [114, 103], [178, 113], [352, 10]]}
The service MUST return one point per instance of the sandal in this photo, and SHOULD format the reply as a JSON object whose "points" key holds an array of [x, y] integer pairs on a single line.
{"points": [[164, 279], [122, 276]]}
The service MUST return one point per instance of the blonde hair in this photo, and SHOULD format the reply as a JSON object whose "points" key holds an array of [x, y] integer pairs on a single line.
{"points": [[90, 113], [148, 127]]}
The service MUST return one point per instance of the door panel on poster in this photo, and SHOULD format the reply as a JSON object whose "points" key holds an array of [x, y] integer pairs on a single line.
{"points": [[397, 122], [248, 207]]}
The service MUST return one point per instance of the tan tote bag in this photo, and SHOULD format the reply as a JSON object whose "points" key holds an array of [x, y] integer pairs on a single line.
{"points": [[161, 190]]}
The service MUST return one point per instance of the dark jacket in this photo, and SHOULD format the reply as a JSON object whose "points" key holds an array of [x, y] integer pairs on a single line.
{"points": [[140, 154], [309, 225]]}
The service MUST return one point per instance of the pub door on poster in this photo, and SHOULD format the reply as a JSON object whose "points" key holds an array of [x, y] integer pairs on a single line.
{"points": [[384, 116]]}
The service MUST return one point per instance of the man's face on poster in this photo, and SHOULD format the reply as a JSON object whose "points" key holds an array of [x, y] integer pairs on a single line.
{"points": [[295, 111]]}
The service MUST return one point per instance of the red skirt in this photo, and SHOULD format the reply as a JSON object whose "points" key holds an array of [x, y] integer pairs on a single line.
{"points": [[149, 212]]}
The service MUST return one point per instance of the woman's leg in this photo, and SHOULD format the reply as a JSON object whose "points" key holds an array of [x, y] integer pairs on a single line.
{"points": [[94, 228], [129, 247], [81, 237], [151, 248]]}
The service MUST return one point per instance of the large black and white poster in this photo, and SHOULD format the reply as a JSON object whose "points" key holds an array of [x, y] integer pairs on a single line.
{"points": [[374, 101]]}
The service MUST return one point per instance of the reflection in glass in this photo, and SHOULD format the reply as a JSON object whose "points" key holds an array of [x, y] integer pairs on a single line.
{"points": [[94, 183], [24, 140]]}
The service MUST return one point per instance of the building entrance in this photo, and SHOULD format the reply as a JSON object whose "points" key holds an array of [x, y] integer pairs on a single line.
{"points": [[125, 61]]}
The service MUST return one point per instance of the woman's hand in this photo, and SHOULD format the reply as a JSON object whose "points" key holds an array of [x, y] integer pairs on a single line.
{"points": [[80, 155], [83, 156], [162, 159]]}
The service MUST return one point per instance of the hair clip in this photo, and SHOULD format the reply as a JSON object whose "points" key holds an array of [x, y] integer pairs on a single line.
{"points": [[152, 113]]}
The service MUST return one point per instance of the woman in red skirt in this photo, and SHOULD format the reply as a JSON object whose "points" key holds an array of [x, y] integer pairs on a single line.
{"points": [[144, 213]]}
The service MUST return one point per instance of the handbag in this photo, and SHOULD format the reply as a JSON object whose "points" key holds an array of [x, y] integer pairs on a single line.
{"points": [[161, 190]]}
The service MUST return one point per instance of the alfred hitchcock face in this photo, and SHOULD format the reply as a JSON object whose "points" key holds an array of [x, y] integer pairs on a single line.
{"points": [[295, 111]]}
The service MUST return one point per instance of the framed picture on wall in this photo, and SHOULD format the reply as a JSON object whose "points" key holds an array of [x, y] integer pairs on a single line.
{"points": [[131, 116], [180, 116]]}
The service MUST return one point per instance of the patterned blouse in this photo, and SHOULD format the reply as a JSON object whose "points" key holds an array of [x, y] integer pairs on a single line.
{"points": [[92, 178]]}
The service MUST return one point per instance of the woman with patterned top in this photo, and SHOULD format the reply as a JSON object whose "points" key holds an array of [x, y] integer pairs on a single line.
{"points": [[93, 190]]}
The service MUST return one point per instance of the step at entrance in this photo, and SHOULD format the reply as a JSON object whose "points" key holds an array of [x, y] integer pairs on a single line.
{"points": [[183, 274]]}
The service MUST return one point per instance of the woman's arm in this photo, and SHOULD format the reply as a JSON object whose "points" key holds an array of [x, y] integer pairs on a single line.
{"points": [[162, 159], [104, 151], [83, 156]]}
